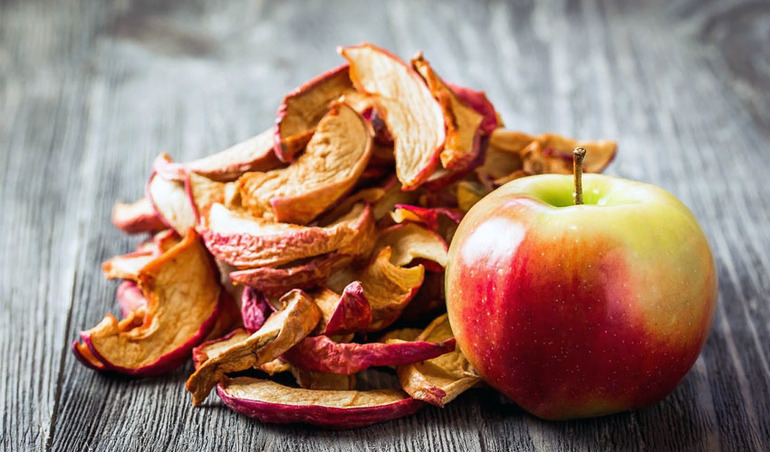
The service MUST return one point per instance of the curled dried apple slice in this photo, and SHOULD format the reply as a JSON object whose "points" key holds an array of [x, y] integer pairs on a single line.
{"points": [[309, 379], [183, 303], [304, 274], [439, 380], [424, 215], [127, 266], [246, 242], [389, 288], [463, 123], [271, 402], [203, 193], [255, 309], [343, 314], [137, 217], [367, 195], [215, 347], [334, 159], [410, 241], [321, 354], [275, 366], [414, 118], [302, 110], [254, 154], [171, 201], [281, 331], [479, 102]]}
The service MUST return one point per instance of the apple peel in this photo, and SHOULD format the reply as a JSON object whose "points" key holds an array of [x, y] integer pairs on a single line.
{"points": [[271, 402], [304, 274], [440, 380], [255, 309], [427, 216], [137, 217], [343, 314]]}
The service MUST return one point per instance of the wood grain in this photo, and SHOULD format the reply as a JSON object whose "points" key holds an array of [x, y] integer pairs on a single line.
{"points": [[91, 91]]}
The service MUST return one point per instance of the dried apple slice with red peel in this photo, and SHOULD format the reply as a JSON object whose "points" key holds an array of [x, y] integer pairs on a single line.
{"points": [[392, 197], [203, 193], [463, 123], [171, 202], [130, 298], [246, 242], [305, 274], [439, 380], [183, 302], [215, 347], [424, 215], [127, 266], [415, 119], [367, 195], [271, 402], [321, 354], [302, 110], [84, 355], [342, 314], [443, 177], [479, 102], [255, 309], [281, 331], [389, 288], [137, 217], [334, 159], [410, 241], [254, 154]]}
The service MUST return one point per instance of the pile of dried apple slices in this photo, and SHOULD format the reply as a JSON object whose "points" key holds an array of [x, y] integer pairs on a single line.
{"points": [[305, 250]]}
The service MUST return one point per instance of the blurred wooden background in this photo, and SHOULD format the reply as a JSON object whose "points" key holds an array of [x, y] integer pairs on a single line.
{"points": [[91, 91]]}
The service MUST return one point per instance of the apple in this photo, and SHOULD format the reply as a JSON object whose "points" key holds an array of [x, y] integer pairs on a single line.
{"points": [[580, 310]]}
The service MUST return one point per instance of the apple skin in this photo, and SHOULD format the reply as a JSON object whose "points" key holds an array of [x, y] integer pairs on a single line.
{"points": [[580, 311]]}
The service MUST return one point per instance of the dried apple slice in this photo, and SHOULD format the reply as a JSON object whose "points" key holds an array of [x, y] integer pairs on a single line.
{"points": [[321, 354], [183, 303], [424, 215], [414, 118], [309, 379], [171, 202], [215, 347], [367, 195], [392, 196], [439, 380], [203, 193], [127, 266], [246, 242], [137, 217], [343, 314], [255, 309], [558, 151], [479, 102], [401, 334], [463, 123], [271, 402], [304, 274], [334, 159], [281, 331], [410, 241], [389, 288], [275, 366], [303, 108]]}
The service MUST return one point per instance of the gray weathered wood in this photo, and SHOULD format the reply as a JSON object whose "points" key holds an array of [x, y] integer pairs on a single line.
{"points": [[91, 91]]}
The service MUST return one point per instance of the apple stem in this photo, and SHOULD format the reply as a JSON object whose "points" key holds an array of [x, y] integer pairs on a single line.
{"points": [[577, 170]]}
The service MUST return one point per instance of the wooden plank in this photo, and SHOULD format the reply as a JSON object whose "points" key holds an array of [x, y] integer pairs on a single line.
{"points": [[91, 93]]}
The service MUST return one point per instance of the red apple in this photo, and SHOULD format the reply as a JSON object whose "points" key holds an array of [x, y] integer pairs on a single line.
{"points": [[580, 310]]}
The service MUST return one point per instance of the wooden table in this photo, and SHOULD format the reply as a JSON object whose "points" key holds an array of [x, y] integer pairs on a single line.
{"points": [[91, 92]]}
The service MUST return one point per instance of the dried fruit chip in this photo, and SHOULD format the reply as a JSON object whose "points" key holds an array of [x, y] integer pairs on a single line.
{"points": [[479, 102], [303, 274], [463, 123], [335, 157], [309, 379], [392, 196], [275, 366], [427, 216], [130, 298], [127, 266], [203, 193], [389, 288], [414, 118], [281, 331], [255, 309], [343, 314], [183, 303], [271, 402], [367, 195], [246, 242], [254, 154], [171, 202], [137, 217], [303, 108], [321, 354], [410, 241], [215, 347], [439, 380]]}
